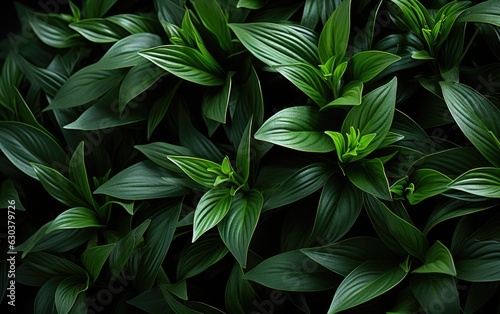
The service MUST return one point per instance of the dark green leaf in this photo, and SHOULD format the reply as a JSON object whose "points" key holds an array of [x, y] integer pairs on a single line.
{"points": [[436, 293], [97, 8], [339, 206], [53, 30], [99, 30], [478, 261], [292, 271], [277, 44], [212, 208], [16, 138], [78, 173], [237, 228], [157, 152], [143, 180], [366, 282], [243, 157], [214, 19], [480, 181], [75, 218], [298, 128], [484, 12], [438, 259], [365, 65], [216, 102], [427, 183], [344, 256], [187, 63], [94, 258], [199, 256], [239, 294], [476, 116], [52, 265], [369, 176]]}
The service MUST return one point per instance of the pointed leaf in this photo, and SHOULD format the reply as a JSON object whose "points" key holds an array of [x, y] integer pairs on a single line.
{"points": [[68, 291], [243, 157], [365, 65], [438, 259], [480, 181], [335, 34], [197, 169], [478, 261], [298, 128], [187, 63], [157, 152], [436, 293], [99, 30], [216, 102], [369, 176], [366, 282], [75, 218], [212, 208], [199, 256], [237, 228], [95, 257], [476, 116]]}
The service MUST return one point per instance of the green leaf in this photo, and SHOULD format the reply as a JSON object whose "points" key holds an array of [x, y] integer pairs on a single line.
{"points": [[157, 152], [243, 157], [366, 282], [339, 206], [75, 218], [134, 24], [483, 12], [277, 44], [97, 8], [452, 209], [143, 180], [94, 258], [53, 30], [406, 234], [8, 193], [299, 185], [238, 226], [216, 101], [476, 116], [187, 63], [436, 293], [59, 186], [374, 115], [99, 30], [52, 265], [160, 108], [124, 248], [85, 86], [427, 183], [478, 261], [350, 95], [199, 256], [198, 169], [422, 55], [369, 176], [44, 300], [175, 306], [141, 77], [78, 173], [365, 65], [251, 4], [214, 19], [157, 239], [212, 208], [308, 79], [298, 128], [239, 294], [438, 259], [480, 181], [16, 138], [344, 256], [292, 271], [335, 34], [478, 295]]}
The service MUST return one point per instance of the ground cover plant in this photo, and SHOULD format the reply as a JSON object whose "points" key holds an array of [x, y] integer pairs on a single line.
{"points": [[251, 156]]}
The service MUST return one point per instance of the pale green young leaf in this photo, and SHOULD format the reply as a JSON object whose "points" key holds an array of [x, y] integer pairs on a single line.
{"points": [[212, 208]]}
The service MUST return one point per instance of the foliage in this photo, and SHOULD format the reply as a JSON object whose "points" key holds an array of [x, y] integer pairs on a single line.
{"points": [[224, 156]]}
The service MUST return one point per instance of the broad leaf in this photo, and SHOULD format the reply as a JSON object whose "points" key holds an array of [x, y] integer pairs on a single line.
{"points": [[369, 176], [75, 218], [143, 180], [198, 169], [292, 271], [52, 265], [239, 295], [480, 181], [187, 63], [476, 116], [212, 208], [216, 100], [365, 65], [405, 233], [436, 293], [16, 138], [238, 226], [438, 259], [366, 282], [199, 256], [344, 256], [339, 206], [99, 30], [68, 291], [95, 257], [157, 152], [478, 261], [484, 12], [427, 183], [53, 30], [298, 128], [335, 34], [97, 8], [214, 19], [277, 44]]}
